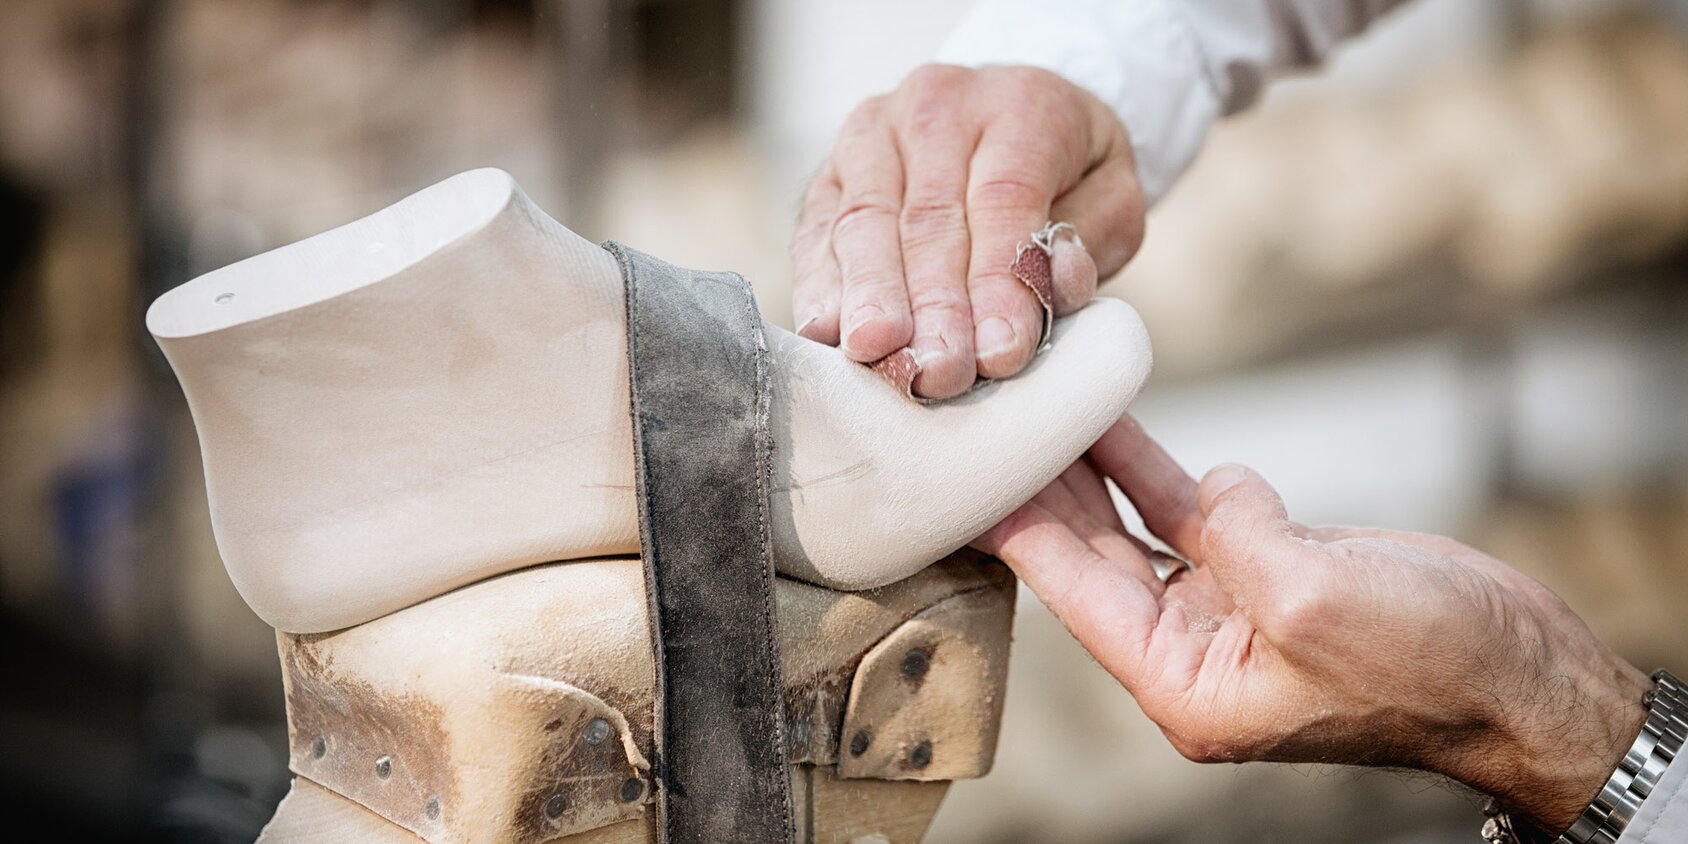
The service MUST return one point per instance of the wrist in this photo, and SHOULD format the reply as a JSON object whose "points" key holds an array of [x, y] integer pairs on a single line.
{"points": [[1563, 739]]}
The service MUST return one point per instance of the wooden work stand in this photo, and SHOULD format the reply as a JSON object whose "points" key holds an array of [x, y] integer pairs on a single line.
{"points": [[519, 709]]}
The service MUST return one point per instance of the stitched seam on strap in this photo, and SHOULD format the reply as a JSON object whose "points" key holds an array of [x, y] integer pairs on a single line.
{"points": [[653, 608], [764, 483]]}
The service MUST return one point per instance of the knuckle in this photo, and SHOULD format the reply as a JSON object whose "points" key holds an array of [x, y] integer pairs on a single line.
{"points": [[871, 284], [935, 82], [939, 303], [934, 75], [1042, 98], [1023, 77], [812, 225], [862, 208], [867, 112], [930, 96], [929, 220], [999, 292], [818, 199], [809, 235], [1291, 615], [1007, 192], [931, 114], [800, 251]]}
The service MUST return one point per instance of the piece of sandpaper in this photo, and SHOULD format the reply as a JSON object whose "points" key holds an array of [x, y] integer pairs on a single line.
{"points": [[1033, 267]]}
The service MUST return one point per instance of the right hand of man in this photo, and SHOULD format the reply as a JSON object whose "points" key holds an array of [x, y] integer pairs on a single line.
{"points": [[1333, 645], [907, 232]]}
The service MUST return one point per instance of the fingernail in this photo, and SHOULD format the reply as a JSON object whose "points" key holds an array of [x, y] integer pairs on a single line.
{"points": [[860, 318], [931, 347], [1220, 479], [808, 321], [922, 357], [935, 353], [995, 337]]}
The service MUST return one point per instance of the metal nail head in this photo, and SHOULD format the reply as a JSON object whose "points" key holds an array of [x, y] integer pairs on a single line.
{"points": [[556, 806], [921, 755], [596, 731], [859, 742], [915, 664]]}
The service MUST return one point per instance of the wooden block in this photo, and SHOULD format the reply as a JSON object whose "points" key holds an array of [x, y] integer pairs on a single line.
{"points": [[869, 811], [311, 814], [519, 709], [829, 811], [926, 702]]}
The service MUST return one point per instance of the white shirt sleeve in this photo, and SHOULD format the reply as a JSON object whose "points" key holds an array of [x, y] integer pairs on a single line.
{"points": [[1663, 817], [1169, 68]]}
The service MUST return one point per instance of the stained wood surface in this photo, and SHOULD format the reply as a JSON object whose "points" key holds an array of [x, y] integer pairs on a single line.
{"points": [[829, 811], [518, 710]]}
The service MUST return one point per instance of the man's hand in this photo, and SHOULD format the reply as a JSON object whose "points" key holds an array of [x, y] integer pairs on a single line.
{"points": [[908, 230], [1334, 645]]}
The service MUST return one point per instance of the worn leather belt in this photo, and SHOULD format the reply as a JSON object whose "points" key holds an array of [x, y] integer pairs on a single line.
{"points": [[703, 460]]}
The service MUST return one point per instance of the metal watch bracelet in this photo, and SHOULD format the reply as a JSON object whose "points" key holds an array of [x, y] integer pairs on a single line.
{"points": [[1660, 740]]}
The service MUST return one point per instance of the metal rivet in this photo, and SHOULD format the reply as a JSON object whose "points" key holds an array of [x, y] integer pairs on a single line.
{"points": [[921, 756], [225, 298], [596, 731], [632, 789], [915, 664], [556, 806], [319, 747], [432, 807], [384, 767], [859, 742]]}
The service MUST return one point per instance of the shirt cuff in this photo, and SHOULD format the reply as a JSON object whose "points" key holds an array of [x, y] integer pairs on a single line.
{"points": [[1663, 816]]}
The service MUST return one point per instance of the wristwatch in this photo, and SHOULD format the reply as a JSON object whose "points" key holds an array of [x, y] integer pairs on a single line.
{"points": [[1605, 819]]}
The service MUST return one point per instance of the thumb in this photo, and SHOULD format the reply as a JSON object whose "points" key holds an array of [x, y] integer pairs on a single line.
{"points": [[1249, 543]]}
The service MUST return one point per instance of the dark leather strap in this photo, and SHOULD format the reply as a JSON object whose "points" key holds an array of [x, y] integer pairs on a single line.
{"points": [[703, 460]]}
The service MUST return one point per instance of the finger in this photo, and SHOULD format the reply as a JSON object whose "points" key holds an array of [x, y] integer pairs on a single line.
{"points": [[1107, 210], [1073, 275], [936, 147], [1111, 611], [1114, 543], [1088, 485], [1250, 546], [814, 298], [1164, 495], [1010, 187], [873, 308]]}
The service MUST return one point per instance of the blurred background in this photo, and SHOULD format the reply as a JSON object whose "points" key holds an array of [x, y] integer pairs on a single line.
{"points": [[1441, 286]]}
